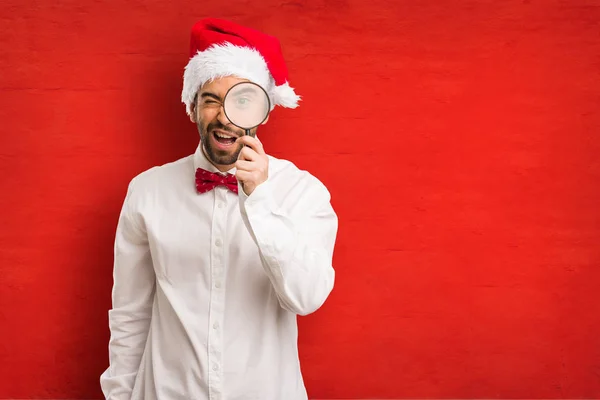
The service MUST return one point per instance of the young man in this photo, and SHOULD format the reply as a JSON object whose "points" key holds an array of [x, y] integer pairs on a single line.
{"points": [[216, 253]]}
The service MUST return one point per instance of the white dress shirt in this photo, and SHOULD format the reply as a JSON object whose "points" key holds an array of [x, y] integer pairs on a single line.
{"points": [[207, 286]]}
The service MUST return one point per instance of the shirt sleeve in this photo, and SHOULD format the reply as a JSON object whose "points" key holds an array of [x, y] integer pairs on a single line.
{"points": [[132, 297], [296, 247]]}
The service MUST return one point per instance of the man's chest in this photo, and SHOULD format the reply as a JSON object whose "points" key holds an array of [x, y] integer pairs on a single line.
{"points": [[194, 239]]}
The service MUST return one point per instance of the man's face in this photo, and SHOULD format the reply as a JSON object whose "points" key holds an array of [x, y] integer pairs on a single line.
{"points": [[217, 133]]}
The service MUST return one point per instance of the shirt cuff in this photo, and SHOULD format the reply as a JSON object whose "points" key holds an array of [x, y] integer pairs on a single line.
{"points": [[260, 200]]}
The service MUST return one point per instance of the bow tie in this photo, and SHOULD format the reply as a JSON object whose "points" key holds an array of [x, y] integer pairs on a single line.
{"points": [[206, 181]]}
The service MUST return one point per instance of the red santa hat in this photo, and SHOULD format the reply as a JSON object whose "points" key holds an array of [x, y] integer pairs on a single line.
{"points": [[221, 48]]}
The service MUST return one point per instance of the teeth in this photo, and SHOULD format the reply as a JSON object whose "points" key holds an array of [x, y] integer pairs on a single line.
{"points": [[223, 136]]}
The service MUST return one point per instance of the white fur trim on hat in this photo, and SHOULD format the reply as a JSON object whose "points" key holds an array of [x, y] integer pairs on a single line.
{"points": [[229, 60]]}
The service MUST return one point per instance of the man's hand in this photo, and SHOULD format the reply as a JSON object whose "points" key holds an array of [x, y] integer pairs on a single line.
{"points": [[252, 166]]}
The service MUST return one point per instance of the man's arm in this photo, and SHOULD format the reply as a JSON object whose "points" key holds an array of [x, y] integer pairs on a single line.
{"points": [[296, 250], [132, 297]]}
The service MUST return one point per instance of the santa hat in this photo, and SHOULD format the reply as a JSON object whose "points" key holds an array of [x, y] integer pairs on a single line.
{"points": [[221, 48]]}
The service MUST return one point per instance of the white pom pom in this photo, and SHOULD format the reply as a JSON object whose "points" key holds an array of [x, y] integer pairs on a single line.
{"points": [[284, 95]]}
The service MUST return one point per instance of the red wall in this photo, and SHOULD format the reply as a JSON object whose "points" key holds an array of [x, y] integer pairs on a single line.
{"points": [[459, 140]]}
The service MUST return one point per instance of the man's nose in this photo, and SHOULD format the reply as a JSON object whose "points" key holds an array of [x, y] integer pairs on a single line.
{"points": [[222, 118]]}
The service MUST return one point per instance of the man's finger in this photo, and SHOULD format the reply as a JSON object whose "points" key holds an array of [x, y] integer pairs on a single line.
{"points": [[253, 143], [243, 175], [248, 154], [243, 165]]}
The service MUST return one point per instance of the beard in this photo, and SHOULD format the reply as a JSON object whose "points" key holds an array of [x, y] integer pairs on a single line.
{"points": [[217, 156]]}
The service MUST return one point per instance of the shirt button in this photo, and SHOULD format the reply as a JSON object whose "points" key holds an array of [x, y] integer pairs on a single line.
{"points": [[218, 242], [221, 205], [215, 367], [216, 325], [218, 285]]}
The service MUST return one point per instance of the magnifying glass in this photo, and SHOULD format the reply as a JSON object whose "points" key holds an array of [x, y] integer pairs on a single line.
{"points": [[246, 105]]}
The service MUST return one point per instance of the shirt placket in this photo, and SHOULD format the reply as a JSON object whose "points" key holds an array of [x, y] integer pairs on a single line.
{"points": [[217, 295]]}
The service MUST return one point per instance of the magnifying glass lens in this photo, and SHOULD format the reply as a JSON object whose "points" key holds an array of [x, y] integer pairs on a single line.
{"points": [[246, 105]]}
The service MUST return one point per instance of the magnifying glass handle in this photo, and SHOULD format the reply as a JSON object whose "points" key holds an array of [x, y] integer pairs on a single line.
{"points": [[247, 134]]}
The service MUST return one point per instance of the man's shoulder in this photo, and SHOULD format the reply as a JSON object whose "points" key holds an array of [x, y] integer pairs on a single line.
{"points": [[287, 173], [165, 175], [285, 169]]}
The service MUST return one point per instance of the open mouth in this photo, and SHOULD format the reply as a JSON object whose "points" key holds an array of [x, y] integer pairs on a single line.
{"points": [[223, 139]]}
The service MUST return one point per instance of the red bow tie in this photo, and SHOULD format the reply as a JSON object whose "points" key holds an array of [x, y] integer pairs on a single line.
{"points": [[206, 181]]}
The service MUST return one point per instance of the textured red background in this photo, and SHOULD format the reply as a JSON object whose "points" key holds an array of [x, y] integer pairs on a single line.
{"points": [[459, 140]]}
